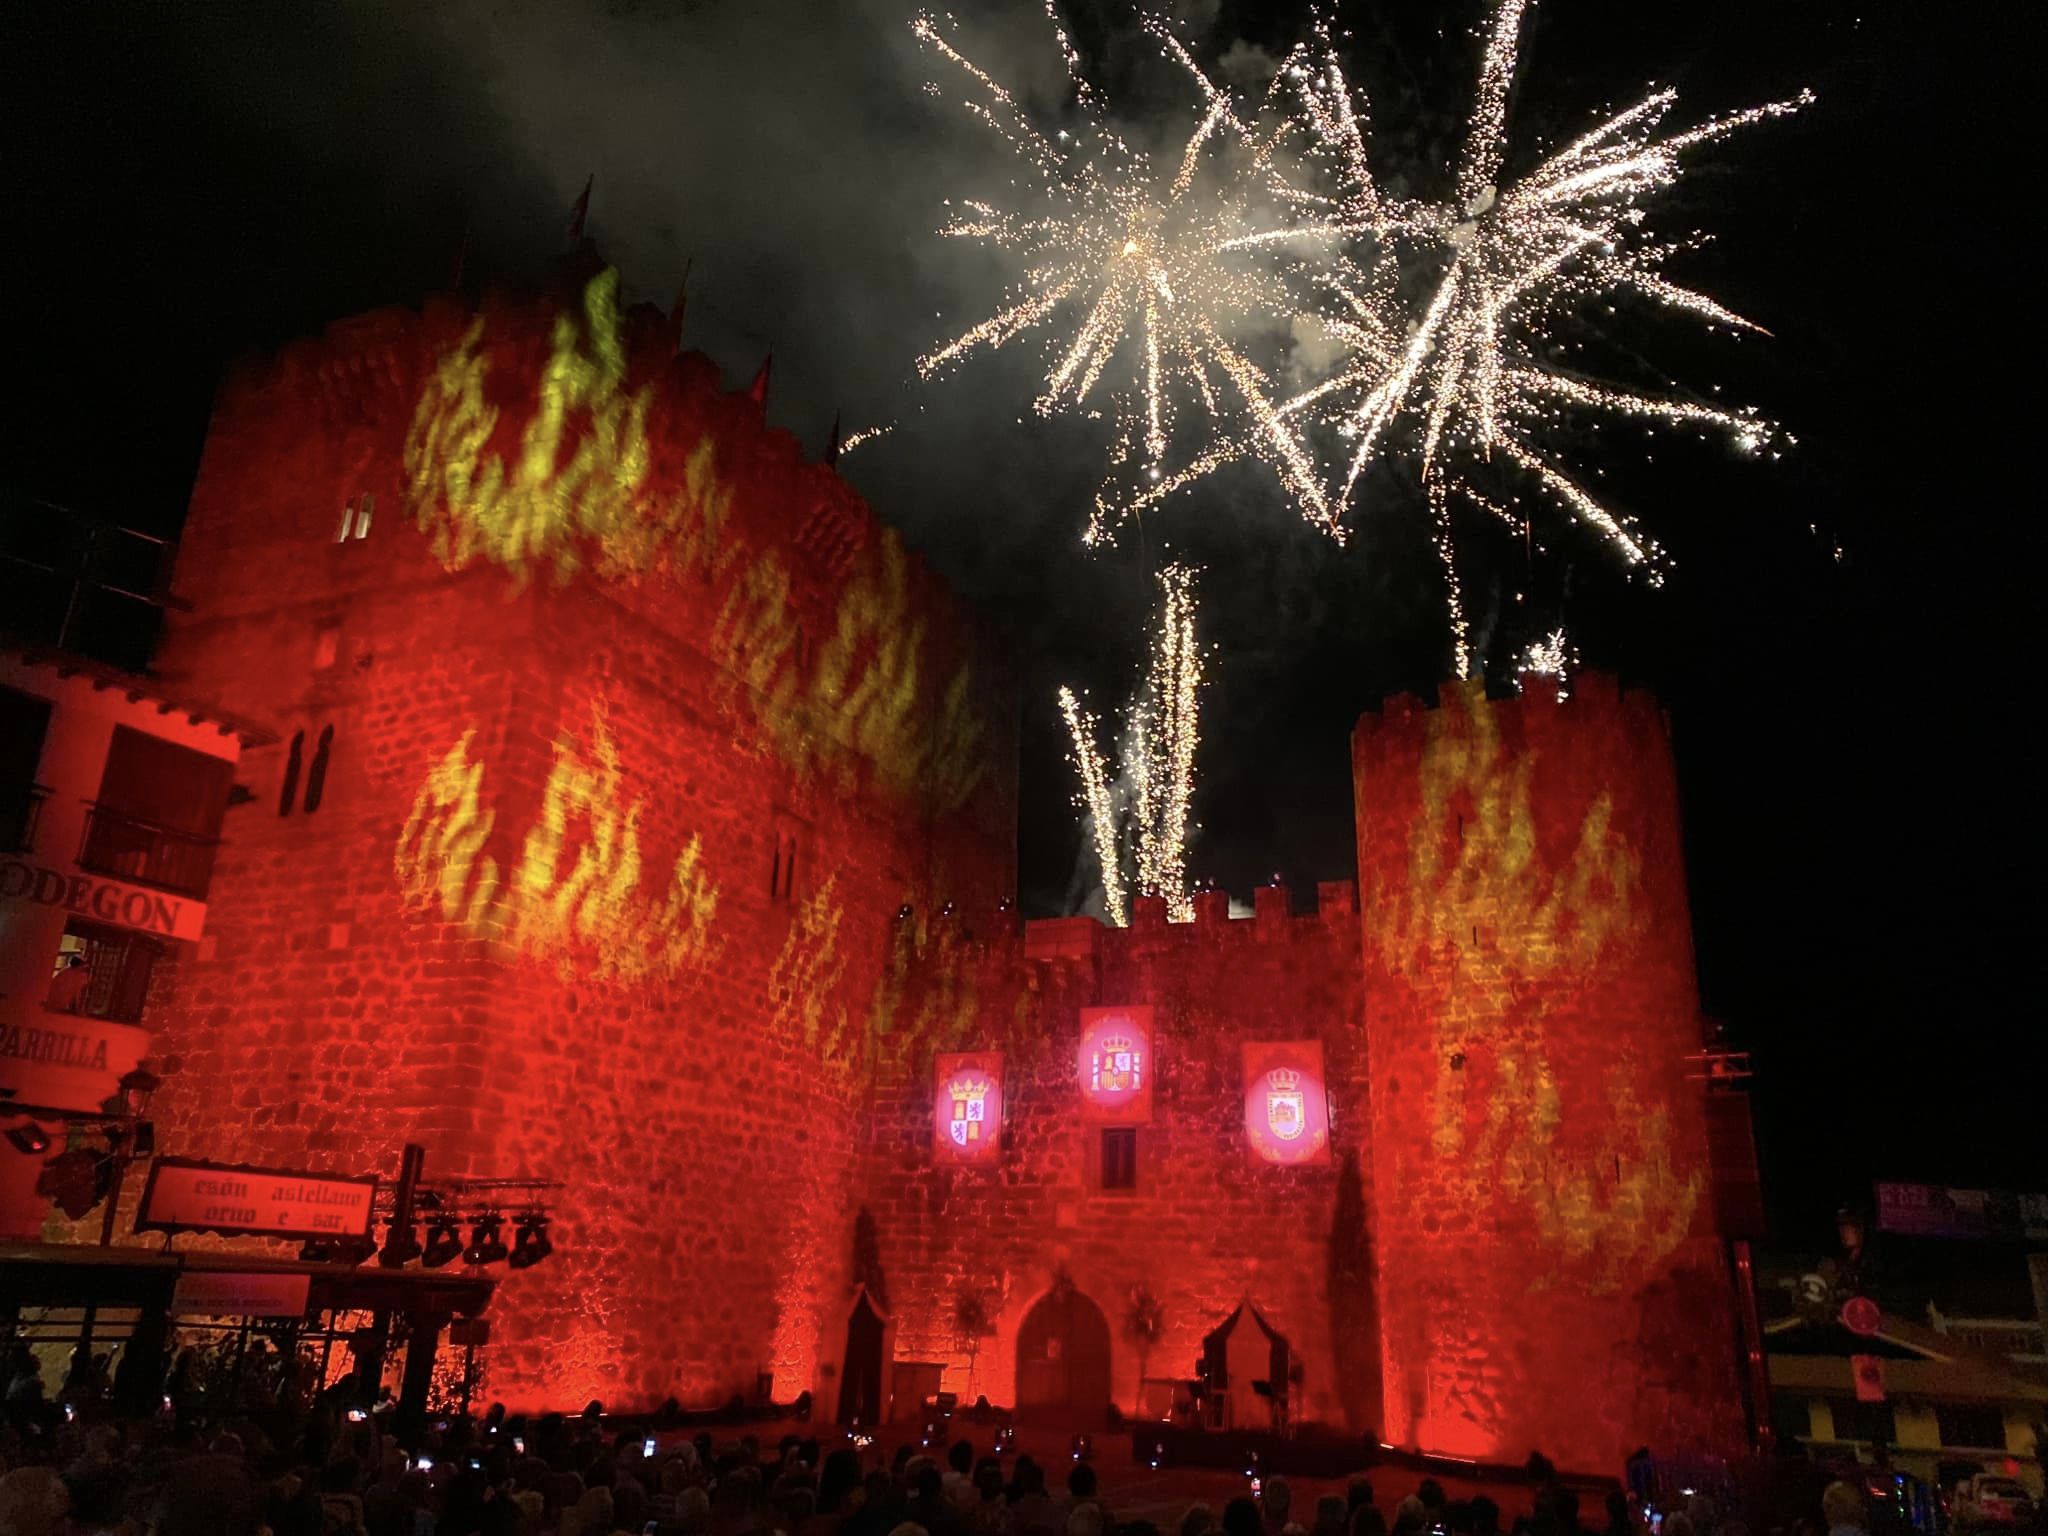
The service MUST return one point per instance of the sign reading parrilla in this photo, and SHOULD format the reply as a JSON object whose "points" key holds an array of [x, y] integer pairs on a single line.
{"points": [[187, 1195], [108, 901], [63, 1063]]}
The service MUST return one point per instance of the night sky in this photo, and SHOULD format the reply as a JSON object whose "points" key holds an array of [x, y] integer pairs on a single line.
{"points": [[190, 182]]}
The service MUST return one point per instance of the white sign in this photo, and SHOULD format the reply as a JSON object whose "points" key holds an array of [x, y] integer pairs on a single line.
{"points": [[107, 901]]}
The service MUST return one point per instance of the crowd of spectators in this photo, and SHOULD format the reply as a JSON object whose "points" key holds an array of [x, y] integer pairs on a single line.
{"points": [[72, 1468]]}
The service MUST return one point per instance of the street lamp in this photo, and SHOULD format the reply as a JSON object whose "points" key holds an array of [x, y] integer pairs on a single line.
{"points": [[130, 1135]]}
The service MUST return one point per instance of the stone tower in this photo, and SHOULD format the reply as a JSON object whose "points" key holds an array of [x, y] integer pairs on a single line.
{"points": [[1549, 1274], [613, 735]]}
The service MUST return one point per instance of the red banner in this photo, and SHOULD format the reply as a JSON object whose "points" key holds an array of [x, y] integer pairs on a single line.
{"points": [[186, 1195], [1116, 1065], [1286, 1104], [967, 1105]]}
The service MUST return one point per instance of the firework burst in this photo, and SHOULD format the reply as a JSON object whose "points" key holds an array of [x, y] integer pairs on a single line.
{"points": [[1469, 388], [1146, 271], [1445, 319]]}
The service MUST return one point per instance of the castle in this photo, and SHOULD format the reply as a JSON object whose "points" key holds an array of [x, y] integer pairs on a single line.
{"points": [[643, 817]]}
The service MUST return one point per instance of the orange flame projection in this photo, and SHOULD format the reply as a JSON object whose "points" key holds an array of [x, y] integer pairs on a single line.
{"points": [[574, 897], [1511, 935]]}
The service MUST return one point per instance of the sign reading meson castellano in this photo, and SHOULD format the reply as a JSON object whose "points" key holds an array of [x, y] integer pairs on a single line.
{"points": [[186, 1195], [103, 900], [65, 1063]]}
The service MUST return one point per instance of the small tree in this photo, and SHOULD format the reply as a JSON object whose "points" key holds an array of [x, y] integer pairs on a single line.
{"points": [[867, 1259], [1144, 1322], [971, 1324]]}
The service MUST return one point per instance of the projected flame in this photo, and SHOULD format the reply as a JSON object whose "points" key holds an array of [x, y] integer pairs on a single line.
{"points": [[574, 899], [1522, 916]]}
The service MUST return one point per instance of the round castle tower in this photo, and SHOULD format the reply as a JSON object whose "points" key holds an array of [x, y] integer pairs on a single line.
{"points": [[1549, 1276]]}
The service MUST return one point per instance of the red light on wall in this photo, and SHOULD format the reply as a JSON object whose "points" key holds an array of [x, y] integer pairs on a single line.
{"points": [[1116, 1065], [967, 1105], [1286, 1105]]}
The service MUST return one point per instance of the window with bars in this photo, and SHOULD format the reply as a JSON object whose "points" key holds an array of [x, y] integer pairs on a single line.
{"points": [[103, 973]]}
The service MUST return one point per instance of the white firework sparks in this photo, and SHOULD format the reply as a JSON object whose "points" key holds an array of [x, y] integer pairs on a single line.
{"points": [[1453, 373], [1470, 391], [1150, 263], [1162, 732]]}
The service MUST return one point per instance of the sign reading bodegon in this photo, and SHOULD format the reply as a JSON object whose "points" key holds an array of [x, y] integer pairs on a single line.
{"points": [[187, 1195], [109, 901]]}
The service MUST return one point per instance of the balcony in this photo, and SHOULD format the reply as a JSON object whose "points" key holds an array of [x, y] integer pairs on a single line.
{"points": [[19, 813], [146, 853]]}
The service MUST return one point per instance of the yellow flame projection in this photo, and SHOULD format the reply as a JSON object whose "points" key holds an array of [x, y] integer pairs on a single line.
{"points": [[578, 476], [947, 1014], [1622, 1205], [867, 670], [574, 899], [683, 922], [755, 643], [803, 983], [574, 492], [864, 698], [440, 858], [959, 760]]}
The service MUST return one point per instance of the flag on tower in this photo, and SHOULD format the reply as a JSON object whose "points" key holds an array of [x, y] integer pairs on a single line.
{"points": [[580, 212], [675, 316]]}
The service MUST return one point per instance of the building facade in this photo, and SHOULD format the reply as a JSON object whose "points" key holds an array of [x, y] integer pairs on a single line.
{"points": [[111, 800], [642, 817]]}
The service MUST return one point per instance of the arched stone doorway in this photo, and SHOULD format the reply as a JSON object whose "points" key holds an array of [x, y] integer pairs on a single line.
{"points": [[860, 1375], [1063, 1359]]}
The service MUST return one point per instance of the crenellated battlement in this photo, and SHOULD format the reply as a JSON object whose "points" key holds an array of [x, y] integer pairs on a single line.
{"points": [[999, 933], [1589, 697]]}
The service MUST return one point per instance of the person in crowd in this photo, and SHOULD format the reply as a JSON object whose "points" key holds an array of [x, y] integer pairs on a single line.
{"points": [[68, 986], [1841, 1510], [959, 1476], [33, 1502], [1276, 1504]]}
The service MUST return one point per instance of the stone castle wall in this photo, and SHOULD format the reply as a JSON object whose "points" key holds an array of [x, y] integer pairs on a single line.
{"points": [[642, 729], [1207, 1226], [666, 836]]}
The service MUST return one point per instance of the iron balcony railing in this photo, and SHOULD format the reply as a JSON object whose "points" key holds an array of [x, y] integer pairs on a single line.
{"points": [[146, 853], [19, 813]]}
